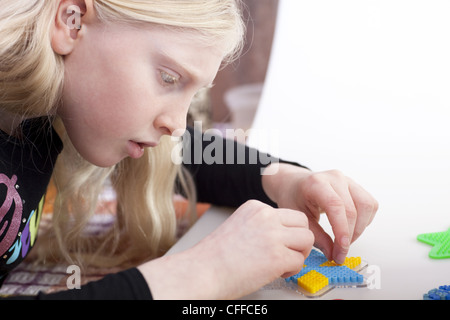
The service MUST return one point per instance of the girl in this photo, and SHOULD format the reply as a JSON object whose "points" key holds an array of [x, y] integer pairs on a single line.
{"points": [[115, 78]]}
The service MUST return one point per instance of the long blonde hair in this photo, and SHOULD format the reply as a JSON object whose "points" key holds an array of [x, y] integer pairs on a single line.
{"points": [[31, 81]]}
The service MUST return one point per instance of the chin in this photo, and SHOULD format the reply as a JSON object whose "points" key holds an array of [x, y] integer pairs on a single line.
{"points": [[103, 162]]}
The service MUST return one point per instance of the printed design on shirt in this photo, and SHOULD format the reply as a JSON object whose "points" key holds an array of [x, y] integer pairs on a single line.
{"points": [[15, 244], [28, 236], [9, 225]]}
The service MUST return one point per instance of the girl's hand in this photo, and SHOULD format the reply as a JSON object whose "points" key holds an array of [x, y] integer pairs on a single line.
{"points": [[255, 246], [349, 208]]}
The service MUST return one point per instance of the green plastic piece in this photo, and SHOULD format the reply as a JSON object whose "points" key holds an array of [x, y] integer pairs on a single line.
{"points": [[440, 242]]}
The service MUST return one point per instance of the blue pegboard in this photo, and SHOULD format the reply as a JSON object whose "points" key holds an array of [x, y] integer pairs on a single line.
{"points": [[338, 275], [441, 293]]}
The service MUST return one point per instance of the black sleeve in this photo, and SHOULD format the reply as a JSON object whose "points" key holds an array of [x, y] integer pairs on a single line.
{"points": [[226, 173], [125, 285]]}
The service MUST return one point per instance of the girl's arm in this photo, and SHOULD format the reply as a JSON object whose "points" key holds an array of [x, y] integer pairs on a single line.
{"points": [[225, 172], [232, 180]]}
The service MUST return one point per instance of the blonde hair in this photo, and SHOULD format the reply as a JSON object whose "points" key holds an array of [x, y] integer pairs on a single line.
{"points": [[31, 80]]}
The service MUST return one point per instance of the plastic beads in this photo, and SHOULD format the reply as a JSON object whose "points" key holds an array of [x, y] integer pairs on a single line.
{"points": [[318, 273]]}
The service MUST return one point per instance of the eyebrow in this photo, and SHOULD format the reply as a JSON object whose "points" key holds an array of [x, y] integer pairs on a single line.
{"points": [[185, 69]]}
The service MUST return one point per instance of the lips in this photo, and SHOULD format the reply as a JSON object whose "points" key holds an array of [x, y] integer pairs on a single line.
{"points": [[137, 149], [147, 144]]}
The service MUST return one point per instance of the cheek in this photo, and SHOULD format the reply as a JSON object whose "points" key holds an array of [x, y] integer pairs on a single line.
{"points": [[97, 92]]}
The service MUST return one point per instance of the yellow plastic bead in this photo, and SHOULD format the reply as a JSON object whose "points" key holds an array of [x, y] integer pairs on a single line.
{"points": [[349, 262], [313, 281]]}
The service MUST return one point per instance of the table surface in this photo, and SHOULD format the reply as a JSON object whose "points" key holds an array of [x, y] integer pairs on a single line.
{"points": [[406, 271]]}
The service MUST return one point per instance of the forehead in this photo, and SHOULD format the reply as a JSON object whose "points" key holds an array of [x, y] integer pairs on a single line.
{"points": [[188, 49]]}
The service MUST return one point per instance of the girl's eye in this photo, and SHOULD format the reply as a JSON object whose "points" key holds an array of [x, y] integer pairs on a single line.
{"points": [[168, 78]]}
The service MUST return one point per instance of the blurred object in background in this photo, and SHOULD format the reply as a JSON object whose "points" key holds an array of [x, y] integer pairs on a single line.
{"points": [[242, 103], [251, 68]]}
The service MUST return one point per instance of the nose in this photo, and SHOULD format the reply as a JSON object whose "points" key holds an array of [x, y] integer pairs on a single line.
{"points": [[172, 120], [171, 126]]}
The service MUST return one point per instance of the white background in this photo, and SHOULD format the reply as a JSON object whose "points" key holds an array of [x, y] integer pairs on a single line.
{"points": [[363, 86]]}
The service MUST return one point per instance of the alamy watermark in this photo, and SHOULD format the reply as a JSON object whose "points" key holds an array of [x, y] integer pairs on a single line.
{"points": [[74, 19], [213, 146], [74, 279], [373, 277]]}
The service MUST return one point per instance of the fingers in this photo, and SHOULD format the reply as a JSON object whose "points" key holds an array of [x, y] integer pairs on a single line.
{"points": [[296, 233], [322, 240], [297, 237], [348, 216], [334, 206], [298, 260], [293, 218], [349, 208], [299, 241], [366, 207]]}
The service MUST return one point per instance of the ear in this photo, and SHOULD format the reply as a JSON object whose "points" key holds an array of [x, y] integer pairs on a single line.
{"points": [[68, 24]]}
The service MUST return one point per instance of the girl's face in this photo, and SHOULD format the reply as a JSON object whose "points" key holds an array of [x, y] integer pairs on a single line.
{"points": [[126, 87]]}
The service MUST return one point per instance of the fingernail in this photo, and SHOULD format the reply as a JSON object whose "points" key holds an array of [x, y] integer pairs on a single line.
{"points": [[340, 258], [345, 242]]}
